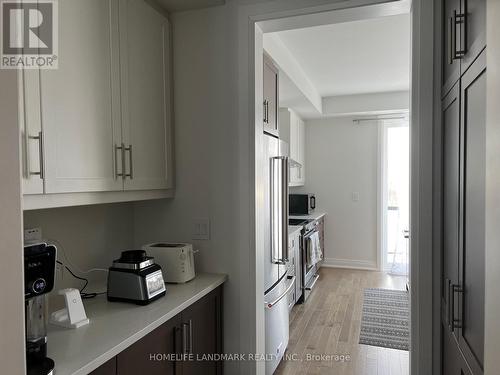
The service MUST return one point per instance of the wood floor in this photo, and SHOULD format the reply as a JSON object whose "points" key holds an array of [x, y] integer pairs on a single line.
{"points": [[324, 332]]}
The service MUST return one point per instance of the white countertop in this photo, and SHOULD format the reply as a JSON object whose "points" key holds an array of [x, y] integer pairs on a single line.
{"points": [[313, 216], [292, 229], [114, 326]]}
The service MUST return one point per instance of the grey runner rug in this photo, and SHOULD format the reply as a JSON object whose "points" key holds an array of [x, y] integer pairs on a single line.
{"points": [[385, 320]]}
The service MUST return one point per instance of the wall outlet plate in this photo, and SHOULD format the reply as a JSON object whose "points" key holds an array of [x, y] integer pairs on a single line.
{"points": [[33, 234], [201, 229]]}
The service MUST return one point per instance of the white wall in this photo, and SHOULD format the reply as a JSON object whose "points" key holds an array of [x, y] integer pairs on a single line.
{"points": [[206, 156], [342, 158], [492, 302], [91, 236]]}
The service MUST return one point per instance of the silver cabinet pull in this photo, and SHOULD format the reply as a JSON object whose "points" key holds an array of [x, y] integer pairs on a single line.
{"points": [[187, 337], [459, 19], [190, 347], [122, 161], [130, 162], [41, 171], [184, 338]]}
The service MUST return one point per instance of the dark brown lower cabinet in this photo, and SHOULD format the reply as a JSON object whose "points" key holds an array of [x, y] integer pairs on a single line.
{"points": [[184, 345], [109, 368], [464, 174]]}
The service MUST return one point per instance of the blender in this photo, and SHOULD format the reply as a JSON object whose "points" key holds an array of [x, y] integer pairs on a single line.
{"points": [[39, 274]]}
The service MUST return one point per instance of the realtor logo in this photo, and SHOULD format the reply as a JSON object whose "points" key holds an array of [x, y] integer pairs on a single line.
{"points": [[29, 34]]}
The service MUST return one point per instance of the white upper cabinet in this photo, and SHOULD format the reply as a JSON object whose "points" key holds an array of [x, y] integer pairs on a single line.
{"points": [[80, 100], [292, 131], [146, 100], [101, 122]]}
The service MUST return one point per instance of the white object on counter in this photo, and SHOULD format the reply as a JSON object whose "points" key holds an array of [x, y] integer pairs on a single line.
{"points": [[73, 315], [175, 259]]}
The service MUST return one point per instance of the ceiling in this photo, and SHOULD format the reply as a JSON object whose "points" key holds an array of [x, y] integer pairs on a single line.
{"points": [[182, 5], [366, 56]]}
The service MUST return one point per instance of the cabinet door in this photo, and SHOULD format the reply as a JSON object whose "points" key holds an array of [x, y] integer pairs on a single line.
{"points": [[451, 64], [270, 77], [146, 93], [471, 293], [31, 132], [80, 101], [473, 31], [451, 197], [201, 324], [165, 340], [109, 368]]}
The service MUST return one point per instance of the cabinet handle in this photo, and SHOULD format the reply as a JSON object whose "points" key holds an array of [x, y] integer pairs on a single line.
{"points": [[41, 171], [187, 337], [190, 324], [122, 161], [455, 323], [184, 338], [130, 162], [451, 48], [459, 20], [265, 111]]}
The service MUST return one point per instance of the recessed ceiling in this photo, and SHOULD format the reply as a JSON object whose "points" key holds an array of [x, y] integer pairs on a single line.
{"points": [[366, 56], [182, 5]]}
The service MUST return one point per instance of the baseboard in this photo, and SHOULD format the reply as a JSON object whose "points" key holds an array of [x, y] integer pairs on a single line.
{"points": [[350, 263]]}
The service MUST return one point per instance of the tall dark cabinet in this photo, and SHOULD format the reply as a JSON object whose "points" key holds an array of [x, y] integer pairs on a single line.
{"points": [[463, 186]]}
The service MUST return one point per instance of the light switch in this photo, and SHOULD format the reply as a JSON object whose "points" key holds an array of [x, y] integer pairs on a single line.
{"points": [[355, 196], [201, 229]]}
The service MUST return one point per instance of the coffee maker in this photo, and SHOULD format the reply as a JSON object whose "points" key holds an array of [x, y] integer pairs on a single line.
{"points": [[39, 274]]}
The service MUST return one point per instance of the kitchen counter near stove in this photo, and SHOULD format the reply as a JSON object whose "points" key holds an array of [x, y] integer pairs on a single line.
{"points": [[114, 326], [313, 216]]}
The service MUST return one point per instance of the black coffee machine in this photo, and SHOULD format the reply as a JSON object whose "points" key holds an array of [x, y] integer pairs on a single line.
{"points": [[39, 274]]}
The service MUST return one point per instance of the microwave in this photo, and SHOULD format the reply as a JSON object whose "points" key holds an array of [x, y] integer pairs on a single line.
{"points": [[301, 204]]}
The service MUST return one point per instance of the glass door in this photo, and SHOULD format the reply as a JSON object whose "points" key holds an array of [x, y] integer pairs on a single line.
{"points": [[395, 196]]}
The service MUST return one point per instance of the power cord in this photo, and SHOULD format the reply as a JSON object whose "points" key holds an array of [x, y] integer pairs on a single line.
{"points": [[83, 294]]}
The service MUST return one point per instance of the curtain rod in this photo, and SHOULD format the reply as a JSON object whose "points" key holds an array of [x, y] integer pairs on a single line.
{"points": [[357, 120]]}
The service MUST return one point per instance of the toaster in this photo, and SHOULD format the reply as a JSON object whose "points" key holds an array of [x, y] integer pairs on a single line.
{"points": [[136, 278], [176, 260]]}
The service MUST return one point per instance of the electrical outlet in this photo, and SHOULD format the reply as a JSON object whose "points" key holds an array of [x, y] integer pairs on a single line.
{"points": [[33, 234], [201, 229], [355, 196]]}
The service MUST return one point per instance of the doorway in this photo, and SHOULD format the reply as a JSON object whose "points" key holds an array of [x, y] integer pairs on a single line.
{"points": [[395, 195], [265, 19]]}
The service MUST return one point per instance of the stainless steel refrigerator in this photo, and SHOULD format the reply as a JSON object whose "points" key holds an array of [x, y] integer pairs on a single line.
{"points": [[277, 284]]}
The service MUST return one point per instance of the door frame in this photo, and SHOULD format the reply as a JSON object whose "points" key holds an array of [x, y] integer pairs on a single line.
{"points": [[425, 350]]}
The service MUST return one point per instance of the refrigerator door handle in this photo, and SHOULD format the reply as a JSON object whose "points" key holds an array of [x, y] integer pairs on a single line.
{"points": [[270, 305], [284, 208], [279, 209]]}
